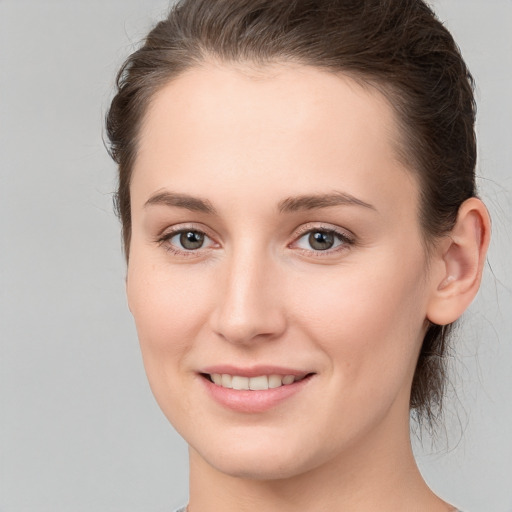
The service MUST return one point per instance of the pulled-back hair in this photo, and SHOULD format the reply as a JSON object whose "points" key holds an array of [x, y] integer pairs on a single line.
{"points": [[398, 47]]}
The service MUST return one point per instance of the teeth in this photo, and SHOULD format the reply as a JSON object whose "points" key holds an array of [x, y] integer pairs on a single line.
{"points": [[288, 379], [240, 382], [258, 383], [225, 381], [275, 381]]}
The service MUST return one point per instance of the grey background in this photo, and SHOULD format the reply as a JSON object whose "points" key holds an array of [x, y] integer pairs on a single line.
{"points": [[79, 429]]}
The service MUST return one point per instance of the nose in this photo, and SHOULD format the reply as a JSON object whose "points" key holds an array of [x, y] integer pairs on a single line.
{"points": [[250, 299]]}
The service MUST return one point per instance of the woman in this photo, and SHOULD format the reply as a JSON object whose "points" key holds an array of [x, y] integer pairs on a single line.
{"points": [[301, 228]]}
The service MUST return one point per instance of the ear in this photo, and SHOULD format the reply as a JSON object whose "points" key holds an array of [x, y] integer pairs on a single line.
{"points": [[456, 271]]}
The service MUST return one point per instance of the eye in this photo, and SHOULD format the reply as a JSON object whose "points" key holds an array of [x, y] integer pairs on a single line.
{"points": [[185, 241], [322, 240], [188, 240]]}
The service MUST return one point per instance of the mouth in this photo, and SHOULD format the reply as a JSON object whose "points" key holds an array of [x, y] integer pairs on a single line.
{"points": [[254, 389], [256, 383]]}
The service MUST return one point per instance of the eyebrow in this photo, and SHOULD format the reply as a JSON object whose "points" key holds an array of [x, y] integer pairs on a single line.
{"points": [[191, 203], [315, 201], [290, 204]]}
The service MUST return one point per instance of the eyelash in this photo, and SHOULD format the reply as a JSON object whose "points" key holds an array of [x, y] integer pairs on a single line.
{"points": [[165, 241], [346, 241]]}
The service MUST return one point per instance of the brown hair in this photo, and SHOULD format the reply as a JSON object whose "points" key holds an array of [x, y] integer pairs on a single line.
{"points": [[399, 47]]}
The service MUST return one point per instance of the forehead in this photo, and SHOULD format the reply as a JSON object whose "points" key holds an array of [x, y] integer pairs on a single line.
{"points": [[301, 100], [278, 128]]}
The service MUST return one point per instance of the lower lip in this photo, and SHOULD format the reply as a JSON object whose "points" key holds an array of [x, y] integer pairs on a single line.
{"points": [[253, 401]]}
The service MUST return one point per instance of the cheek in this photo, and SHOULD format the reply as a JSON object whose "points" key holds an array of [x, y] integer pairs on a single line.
{"points": [[168, 314], [367, 318], [163, 299], [166, 305]]}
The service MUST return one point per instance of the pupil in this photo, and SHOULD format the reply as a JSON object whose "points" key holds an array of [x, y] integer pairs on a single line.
{"points": [[191, 240], [321, 241]]}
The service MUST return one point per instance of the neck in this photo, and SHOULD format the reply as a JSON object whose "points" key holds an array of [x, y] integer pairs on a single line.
{"points": [[379, 473]]}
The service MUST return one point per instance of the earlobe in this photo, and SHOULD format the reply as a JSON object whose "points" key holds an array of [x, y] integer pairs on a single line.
{"points": [[459, 266]]}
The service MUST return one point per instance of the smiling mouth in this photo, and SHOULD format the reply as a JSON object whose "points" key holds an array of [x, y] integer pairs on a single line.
{"points": [[257, 383]]}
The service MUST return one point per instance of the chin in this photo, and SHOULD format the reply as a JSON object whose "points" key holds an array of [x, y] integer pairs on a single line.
{"points": [[256, 467], [271, 460]]}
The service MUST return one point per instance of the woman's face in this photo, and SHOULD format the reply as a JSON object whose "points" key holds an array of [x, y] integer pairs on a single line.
{"points": [[276, 239]]}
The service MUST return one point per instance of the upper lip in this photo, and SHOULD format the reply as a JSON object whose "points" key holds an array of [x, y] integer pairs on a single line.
{"points": [[254, 371]]}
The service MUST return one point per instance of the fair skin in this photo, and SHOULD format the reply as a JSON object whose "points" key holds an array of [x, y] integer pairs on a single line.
{"points": [[333, 287]]}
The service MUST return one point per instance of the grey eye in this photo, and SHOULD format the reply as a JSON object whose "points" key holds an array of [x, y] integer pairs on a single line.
{"points": [[189, 240], [321, 240]]}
